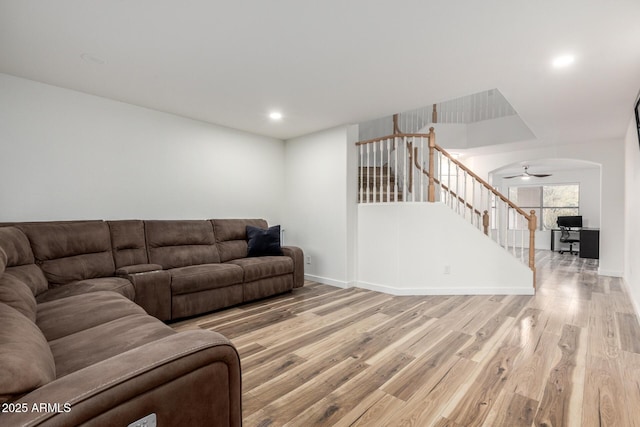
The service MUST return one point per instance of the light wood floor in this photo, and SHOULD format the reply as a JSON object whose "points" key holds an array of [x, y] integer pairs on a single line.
{"points": [[324, 356]]}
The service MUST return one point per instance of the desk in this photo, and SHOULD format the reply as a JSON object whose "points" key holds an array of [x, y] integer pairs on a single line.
{"points": [[589, 241]]}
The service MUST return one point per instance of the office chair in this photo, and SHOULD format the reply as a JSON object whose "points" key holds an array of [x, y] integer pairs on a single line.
{"points": [[565, 237]]}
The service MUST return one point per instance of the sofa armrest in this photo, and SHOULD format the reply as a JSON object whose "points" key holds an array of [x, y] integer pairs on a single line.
{"points": [[191, 378], [153, 291], [296, 254]]}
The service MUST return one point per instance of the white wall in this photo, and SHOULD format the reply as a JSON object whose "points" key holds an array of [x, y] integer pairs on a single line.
{"points": [[632, 214], [68, 155], [320, 202], [610, 155], [426, 249]]}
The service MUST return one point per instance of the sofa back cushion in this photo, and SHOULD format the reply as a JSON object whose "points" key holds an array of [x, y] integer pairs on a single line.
{"points": [[128, 242], [3, 260], [18, 259], [67, 252], [181, 243], [15, 293], [26, 362], [231, 236]]}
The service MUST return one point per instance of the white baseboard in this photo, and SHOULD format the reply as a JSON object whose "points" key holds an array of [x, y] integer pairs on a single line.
{"points": [[420, 291], [610, 273], [327, 281], [444, 290]]}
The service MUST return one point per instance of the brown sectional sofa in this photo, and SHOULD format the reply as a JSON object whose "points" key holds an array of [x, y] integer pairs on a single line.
{"points": [[76, 349], [173, 269]]}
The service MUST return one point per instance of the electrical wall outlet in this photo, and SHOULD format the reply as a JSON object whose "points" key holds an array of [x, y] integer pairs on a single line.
{"points": [[447, 269], [308, 259]]}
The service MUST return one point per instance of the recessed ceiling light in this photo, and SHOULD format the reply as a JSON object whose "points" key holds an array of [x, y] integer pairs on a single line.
{"points": [[563, 61], [275, 115]]}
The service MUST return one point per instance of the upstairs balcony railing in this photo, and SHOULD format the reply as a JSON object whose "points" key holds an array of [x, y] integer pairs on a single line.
{"points": [[411, 167]]}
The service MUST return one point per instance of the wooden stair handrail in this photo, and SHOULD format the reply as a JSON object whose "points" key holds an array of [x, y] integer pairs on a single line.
{"points": [[395, 135], [437, 181], [450, 157], [483, 182]]}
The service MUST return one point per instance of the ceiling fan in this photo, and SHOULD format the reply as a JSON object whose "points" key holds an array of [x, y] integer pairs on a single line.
{"points": [[526, 175]]}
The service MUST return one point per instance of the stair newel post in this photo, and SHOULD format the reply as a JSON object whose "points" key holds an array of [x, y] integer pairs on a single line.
{"points": [[432, 148], [533, 224]]}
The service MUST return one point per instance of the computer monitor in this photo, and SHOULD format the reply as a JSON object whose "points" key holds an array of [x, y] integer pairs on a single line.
{"points": [[570, 221]]}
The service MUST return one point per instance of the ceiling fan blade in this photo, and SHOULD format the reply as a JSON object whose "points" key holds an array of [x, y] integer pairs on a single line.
{"points": [[513, 176], [540, 175]]}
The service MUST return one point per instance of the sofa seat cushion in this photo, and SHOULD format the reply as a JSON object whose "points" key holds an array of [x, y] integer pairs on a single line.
{"points": [[66, 316], [197, 278], [115, 284], [26, 362], [85, 348], [256, 268], [15, 293]]}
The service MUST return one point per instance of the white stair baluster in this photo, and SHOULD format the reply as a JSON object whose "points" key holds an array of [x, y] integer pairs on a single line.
{"points": [[388, 170], [368, 173], [420, 172], [497, 220], [513, 233], [449, 182], [361, 189], [375, 165], [395, 170], [457, 188], [473, 203], [405, 170], [522, 237], [506, 227], [464, 195]]}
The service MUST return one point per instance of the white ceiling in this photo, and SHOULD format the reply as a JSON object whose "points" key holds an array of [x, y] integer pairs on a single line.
{"points": [[333, 62]]}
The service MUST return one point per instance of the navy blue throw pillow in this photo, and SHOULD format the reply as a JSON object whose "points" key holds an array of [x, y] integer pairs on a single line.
{"points": [[261, 242]]}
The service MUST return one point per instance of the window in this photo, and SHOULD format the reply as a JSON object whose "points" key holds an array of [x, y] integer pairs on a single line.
{"points": [[548, 202]]}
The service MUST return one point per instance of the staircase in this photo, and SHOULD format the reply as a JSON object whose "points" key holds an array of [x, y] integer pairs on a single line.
{"points": [[412, 168], [378, 184]]}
